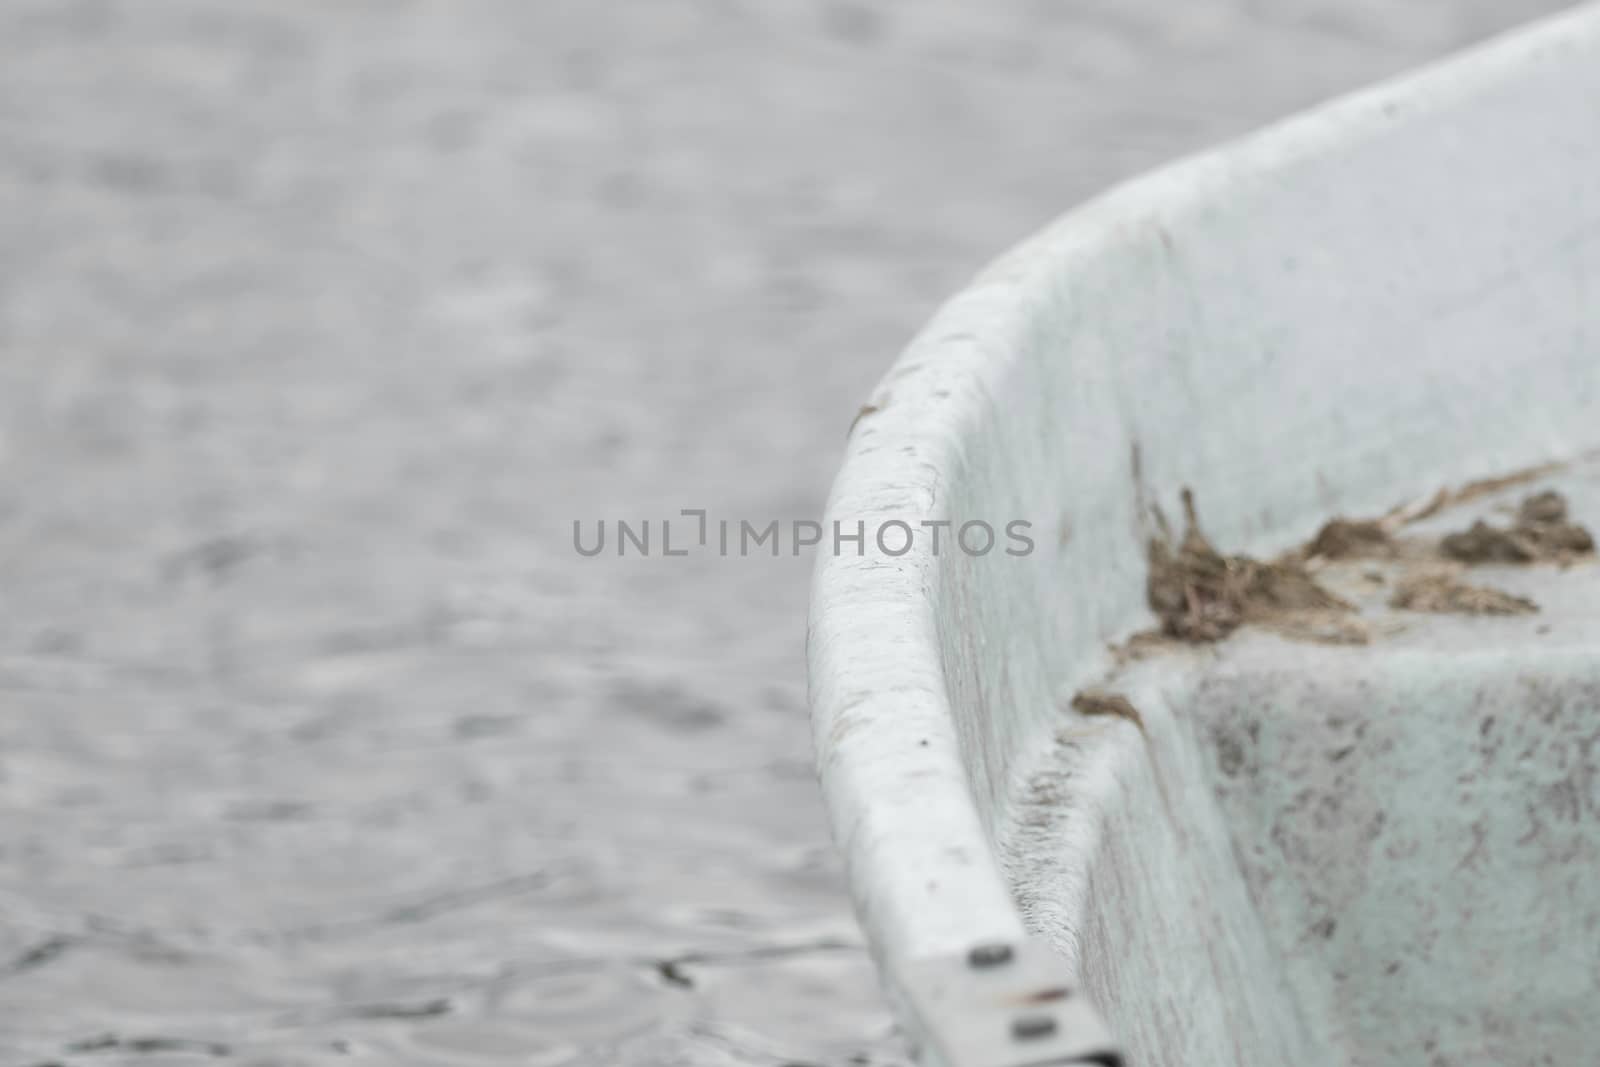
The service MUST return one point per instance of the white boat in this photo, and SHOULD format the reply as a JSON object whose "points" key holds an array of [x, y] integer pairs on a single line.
{"points": [[1377, 842]]}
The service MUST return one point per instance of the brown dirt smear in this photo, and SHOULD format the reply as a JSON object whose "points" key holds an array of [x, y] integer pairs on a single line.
{"points": [[1141, 645], [1105, 702], [1335, 627], [1447, 594], [1541, 533], [866, 409], [1202, 596], [1449, 498], [1353, 539]]}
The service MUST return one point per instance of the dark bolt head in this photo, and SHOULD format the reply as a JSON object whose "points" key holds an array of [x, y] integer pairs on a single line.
{"points": [[991, 955], [1032, 1027]]}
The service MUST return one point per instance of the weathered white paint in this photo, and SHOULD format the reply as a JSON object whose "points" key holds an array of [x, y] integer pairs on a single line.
{"points": [[1393, 292]]}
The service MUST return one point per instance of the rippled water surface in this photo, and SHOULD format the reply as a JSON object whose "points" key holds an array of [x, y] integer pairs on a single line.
{"points": [[319, 325]]}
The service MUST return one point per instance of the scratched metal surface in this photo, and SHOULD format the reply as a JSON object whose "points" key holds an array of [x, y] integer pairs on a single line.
{"points": [[319, 324]]}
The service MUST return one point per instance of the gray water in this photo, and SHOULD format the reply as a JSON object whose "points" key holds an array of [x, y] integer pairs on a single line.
{"points": [[320, 323]]}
